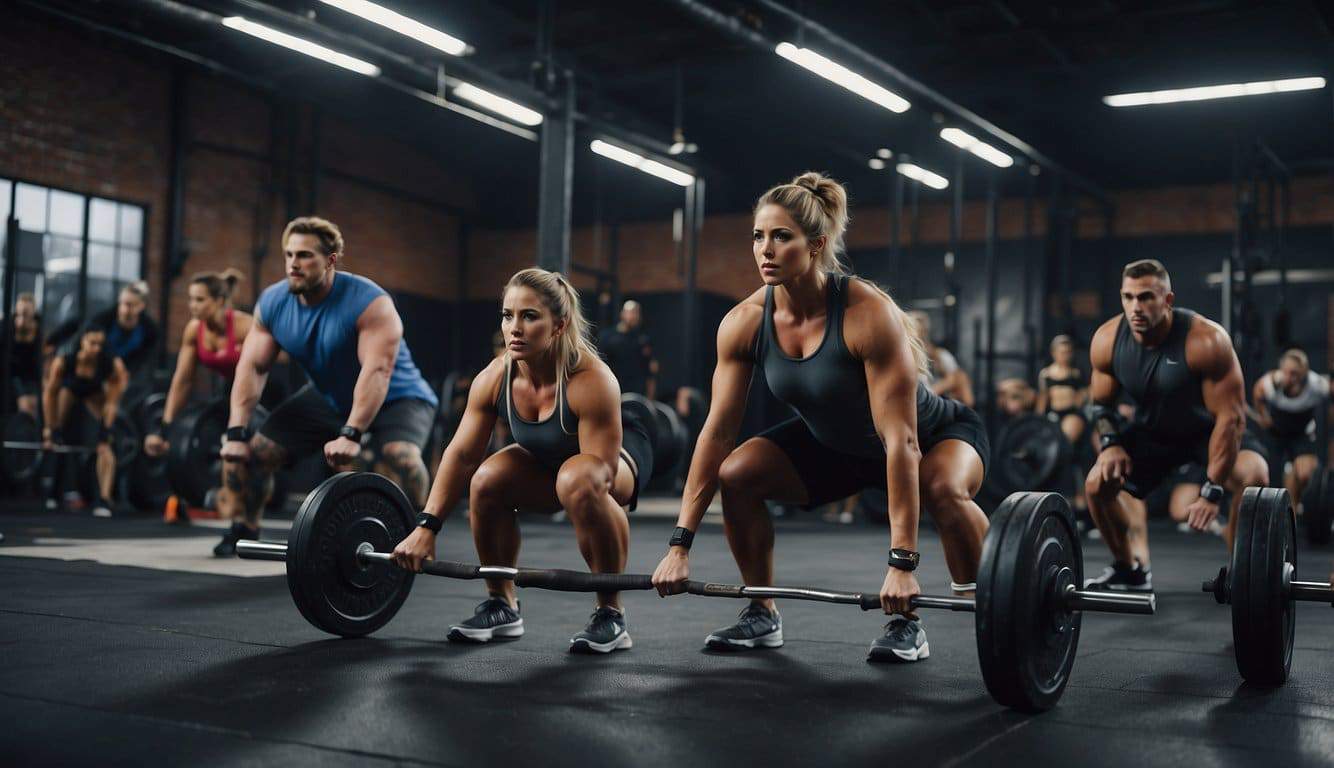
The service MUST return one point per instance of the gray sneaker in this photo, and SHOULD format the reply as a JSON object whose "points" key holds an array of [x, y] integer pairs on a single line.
{"points": [[492, 618], [605, 632], [904, 640], [756, 627]]}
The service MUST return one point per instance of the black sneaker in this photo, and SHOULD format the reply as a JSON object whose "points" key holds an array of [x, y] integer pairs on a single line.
{"points": [[1122, 577], [904, 640], [491, 618], [227, 547], [604, 633], [756, 627], [102, 508]]}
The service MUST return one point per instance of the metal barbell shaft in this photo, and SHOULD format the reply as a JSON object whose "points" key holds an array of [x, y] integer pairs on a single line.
{"points": [[1075, 599], [1314, 591], [16, 445]]}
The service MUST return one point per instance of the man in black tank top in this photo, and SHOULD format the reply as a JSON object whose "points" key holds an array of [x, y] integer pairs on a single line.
{"points": [[81, 397], [1184, 378]]}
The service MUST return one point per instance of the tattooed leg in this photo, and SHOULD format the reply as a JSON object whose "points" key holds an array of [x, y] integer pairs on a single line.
{"points": [[406, 467]]}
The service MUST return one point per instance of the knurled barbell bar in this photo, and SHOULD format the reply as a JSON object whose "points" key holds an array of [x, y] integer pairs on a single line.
{"points": [[1028, 602]]}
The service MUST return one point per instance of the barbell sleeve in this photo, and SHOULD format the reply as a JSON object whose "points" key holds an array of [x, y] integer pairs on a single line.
{"points": [[261, 550]]}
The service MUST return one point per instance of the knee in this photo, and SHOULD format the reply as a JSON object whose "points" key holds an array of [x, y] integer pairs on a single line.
{"points": [[403, 458], [1096, 488], [487, 487], [581, 482], [737, 474], [948, 501]]}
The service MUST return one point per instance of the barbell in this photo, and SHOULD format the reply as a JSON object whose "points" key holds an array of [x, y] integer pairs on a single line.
{"points": [[1318, 506], [1028, 602], [1260, 586]]}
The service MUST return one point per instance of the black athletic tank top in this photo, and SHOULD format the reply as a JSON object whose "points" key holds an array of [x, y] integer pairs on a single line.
{"points": [[828, 388], [1074, 380], [84, 387], [1168, 396], [554, 439]]}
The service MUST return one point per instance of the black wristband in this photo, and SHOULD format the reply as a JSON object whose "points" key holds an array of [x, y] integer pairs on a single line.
{"points": [[350, 432], [904, 559], [103, 433], [238, 434], [1211, 491], [430, 522], [681, 537]]}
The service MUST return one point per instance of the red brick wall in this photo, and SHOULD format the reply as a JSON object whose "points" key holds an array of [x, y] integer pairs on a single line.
{"points": [[88, 113], [648, 261]]}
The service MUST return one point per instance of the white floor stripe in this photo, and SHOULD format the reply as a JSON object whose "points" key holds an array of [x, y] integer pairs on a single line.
{"points": [[194, 554]]}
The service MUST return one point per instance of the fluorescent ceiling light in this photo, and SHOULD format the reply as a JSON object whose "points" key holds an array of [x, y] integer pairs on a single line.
{"points": [[651, 167], [835, 72], [982, 149], [300, 45], [401, 24], [498, 104], [876, 164], [1201, 93], [884, 153], [918, 173]]}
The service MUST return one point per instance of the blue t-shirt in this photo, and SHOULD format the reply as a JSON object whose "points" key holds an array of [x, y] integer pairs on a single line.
{"points": [[322, 339], [122, 343]]}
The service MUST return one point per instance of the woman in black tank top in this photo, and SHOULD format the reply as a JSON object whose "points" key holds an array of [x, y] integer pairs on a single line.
{"points": [[81, 398], [574, 449], [1062, 390], [846, 359]]}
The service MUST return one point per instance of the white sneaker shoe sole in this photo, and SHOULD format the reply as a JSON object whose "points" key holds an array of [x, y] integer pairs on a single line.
{"points": [[772, 640], [916, 654], [584, 645], [485, 635]]}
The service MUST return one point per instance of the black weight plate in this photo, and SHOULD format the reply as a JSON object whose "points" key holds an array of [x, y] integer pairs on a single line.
{"points": [[672, 440], [149, 486], [125, 441], [1026, 641], [331, 587], [193, 466], [1031, 454], [648, 417], [1318, 506], [18, 466], [1264, 557]]}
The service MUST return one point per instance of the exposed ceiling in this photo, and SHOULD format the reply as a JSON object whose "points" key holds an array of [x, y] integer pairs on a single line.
{"points": [[1036, 69]]}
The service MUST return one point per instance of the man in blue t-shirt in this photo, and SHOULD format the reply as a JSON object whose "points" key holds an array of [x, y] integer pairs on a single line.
{"points": [[344, 331]]}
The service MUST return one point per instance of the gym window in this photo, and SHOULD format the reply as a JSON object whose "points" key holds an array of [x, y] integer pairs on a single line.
{"points": [[75, 252]]}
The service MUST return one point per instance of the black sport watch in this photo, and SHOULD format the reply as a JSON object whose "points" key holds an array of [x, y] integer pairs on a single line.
{"points": [[904, 559], [1210, 491], [350, 432], [238, 435], [681, 537], [430, 522]]}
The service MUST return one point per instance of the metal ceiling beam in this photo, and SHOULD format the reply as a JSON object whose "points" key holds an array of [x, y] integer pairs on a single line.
{"points": [[517, 90], [921, 89], [734, 27]]}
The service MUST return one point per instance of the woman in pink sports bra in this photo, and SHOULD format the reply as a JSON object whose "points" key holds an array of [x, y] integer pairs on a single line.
{"points": [[212, 338]]}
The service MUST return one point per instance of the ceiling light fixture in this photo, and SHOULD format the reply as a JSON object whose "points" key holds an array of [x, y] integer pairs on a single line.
{"points": [[964, 140], [300, 45], [498, 104], [401, 24], [837, 73], [639, 162], [918, 173], [1204, 92]]}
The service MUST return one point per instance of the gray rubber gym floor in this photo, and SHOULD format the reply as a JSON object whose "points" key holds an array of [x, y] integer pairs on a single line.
{"points": [[109, 659]]}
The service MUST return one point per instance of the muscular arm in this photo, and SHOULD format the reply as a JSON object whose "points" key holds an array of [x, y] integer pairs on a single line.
{"points": [[961, 387], [1259, 401], [252, 372], [50, 391], [1103, 386], [876, 334], [467, 448], [183, 380], [717, 438], [379, 331], [1209, 352], [595, 398], [114, 388], [1041, 406]]}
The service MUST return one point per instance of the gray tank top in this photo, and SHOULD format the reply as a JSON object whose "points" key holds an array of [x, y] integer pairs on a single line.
{"points": [[1168, 396], [828, 388], [1295, 414], [552, 440]]}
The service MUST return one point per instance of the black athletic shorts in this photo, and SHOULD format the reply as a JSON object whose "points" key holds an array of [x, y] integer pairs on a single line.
{"points": [[830, 475], [1285, 448], [637, 448], [304, 422], [1153, 461]]}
